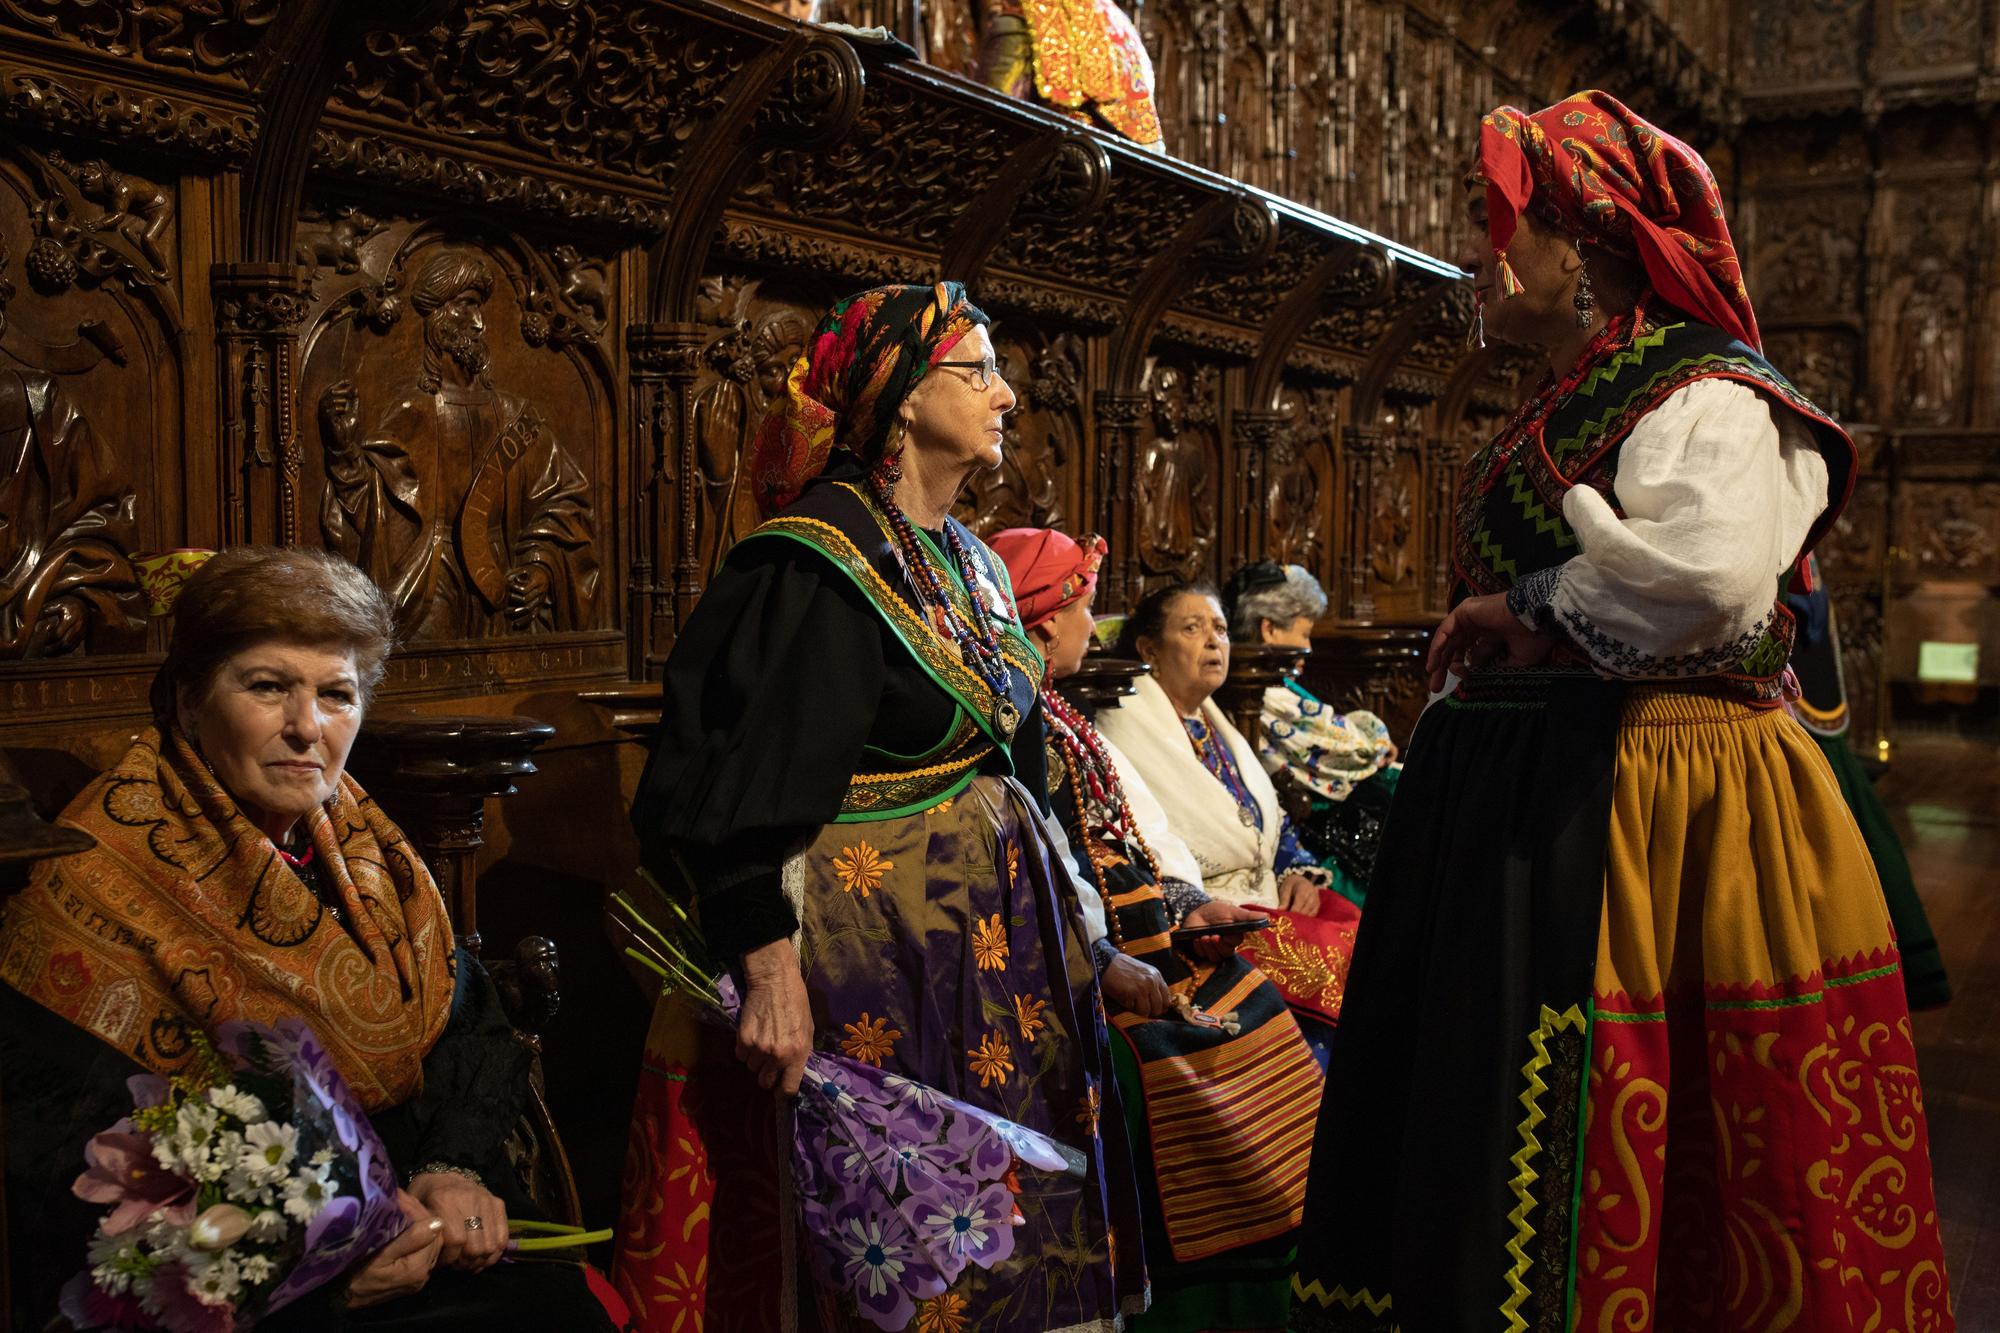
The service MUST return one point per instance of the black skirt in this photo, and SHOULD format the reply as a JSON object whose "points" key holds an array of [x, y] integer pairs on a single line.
{"points": [[1491, 874]]}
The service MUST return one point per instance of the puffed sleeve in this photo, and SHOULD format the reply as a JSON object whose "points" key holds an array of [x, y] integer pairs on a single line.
{"points": [[1718, 494], [769, 697]]}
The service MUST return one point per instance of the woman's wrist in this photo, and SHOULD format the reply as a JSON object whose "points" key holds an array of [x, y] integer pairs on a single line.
{"points": [[442, 1168]]}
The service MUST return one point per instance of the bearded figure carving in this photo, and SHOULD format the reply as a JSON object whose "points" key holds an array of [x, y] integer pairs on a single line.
{"points": [[518, 554]]}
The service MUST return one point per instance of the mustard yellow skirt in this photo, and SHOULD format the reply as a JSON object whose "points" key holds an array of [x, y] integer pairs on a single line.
{"points": [[1754, 1153]]}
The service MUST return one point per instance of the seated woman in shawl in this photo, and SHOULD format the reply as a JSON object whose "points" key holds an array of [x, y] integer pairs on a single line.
{"points": [[1222, 804], [240, 874], [845, 787], [1222, 1090], [1625, 1034], [1339, 760]]}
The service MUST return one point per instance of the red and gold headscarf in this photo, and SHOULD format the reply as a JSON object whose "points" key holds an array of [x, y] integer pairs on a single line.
{"points": [[1616, 179], [859, 365], [1049, 571]]}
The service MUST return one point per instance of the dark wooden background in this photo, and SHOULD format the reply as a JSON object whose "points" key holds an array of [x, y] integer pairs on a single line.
{"points": [[214, 214]]}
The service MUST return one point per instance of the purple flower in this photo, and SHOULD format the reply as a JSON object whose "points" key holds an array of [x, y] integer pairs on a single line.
{"points": [[880, 1263], [124, 1172], [960, 1226]]}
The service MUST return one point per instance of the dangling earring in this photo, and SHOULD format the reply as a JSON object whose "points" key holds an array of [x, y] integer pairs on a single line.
{"points": [[1586, 300], [1475, 332], [889, 470]]}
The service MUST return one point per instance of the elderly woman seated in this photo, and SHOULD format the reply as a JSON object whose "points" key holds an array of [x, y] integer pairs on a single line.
{"points": [[1339, 761], [1221, 1090], [239, 874], [1221, 803]]}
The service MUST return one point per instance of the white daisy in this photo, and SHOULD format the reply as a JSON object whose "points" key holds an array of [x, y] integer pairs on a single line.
{"points": [[306, 1193], [245, 1106]]}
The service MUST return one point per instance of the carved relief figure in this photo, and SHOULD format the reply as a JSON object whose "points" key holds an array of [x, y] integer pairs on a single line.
{"points": [[1956, 540], [1393, 523], [1025, 490], [1292, 503], [720, 421], [1930, 341], [98, 222], [67, 522], [337, 242], [519, 552], [1176, 490]]}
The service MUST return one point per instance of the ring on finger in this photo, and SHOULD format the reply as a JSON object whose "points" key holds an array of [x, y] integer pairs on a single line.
{"points": [[475, 1224]]}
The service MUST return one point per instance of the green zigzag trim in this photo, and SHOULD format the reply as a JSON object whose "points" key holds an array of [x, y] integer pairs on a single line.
{"points": [[1496, 559], [1536, 512], [1346, 1300], [1641, 345], [1590, 430], [1525, 1174]]}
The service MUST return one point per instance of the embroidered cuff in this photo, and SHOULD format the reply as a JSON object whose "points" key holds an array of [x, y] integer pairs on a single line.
{"points": [[1530, 599], [1102, 951], [1182, 898]]}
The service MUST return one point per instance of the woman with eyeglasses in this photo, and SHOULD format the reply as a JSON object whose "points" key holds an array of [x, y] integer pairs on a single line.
{"points": [[841, 786]]}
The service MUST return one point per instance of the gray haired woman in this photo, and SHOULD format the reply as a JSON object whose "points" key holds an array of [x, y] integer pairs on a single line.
{"points": [[1342, 761]]}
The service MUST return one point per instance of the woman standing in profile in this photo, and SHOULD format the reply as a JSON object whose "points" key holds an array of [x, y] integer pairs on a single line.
{"points": [[842, 786], [1625, 1033]]}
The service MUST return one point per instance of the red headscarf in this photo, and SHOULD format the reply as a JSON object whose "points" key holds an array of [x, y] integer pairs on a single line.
{"points": [[1048, 570], [859, 365], [1619, 180]]}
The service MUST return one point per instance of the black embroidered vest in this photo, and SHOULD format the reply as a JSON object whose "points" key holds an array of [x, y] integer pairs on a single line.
{"points": [[842, 523], [1509, 524]]}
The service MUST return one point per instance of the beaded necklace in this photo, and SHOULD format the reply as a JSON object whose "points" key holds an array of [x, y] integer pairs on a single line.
{"points": [[1215, 757], [1099, 796], [1528, 419], [978, 640]]}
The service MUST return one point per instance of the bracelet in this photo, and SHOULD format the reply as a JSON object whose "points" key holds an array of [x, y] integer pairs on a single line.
{"points": [[448, 1169]]}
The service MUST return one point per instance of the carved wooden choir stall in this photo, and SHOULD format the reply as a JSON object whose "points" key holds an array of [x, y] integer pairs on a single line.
{"points": [[488, 295]]}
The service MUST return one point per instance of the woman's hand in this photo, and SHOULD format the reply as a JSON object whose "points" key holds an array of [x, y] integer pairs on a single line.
{"points": [[1213, 913], [403, 1265], [774, 1030], [1134, 986], [1298, 894], [1480, 632], [457, 1201]]}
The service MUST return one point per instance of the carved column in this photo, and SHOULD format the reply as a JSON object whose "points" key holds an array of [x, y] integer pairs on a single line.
{"points": [[666, 575], [433, 775], [1364, 448], [258, 308], [1443, 462], [1254, 668], [1258, 434], [1118, 417]]}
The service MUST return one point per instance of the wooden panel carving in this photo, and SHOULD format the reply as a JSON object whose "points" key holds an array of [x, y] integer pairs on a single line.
{"points": [[219, 39], [461, 397], [1038, 481], [1923, 312], [743, 368], [88, 393], [1800, 44], [1177, 473]]}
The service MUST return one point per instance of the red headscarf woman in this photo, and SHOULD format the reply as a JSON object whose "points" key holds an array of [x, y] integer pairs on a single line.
{"points": [[1622, 929]]}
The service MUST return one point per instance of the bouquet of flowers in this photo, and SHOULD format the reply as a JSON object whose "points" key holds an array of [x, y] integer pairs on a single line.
{"points": [[900, 1186], [235, 1188]]}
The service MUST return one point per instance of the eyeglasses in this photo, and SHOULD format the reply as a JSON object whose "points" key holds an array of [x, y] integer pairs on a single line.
{"points": [[984, 371]]}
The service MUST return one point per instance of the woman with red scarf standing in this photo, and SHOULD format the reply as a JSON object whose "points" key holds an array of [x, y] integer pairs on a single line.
{"points": [[1625, 1033]]}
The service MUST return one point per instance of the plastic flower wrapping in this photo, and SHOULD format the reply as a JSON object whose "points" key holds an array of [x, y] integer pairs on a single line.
{"points": [[900, 1187], [234, 1189]]}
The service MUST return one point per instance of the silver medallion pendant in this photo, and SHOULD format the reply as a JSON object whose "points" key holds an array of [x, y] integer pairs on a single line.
{"points": [[1006, 718], [1247, 815]]}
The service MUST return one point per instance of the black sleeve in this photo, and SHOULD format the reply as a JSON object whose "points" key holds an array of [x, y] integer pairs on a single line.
{"points": [[59, 1085], [475, 1089], [769, 697]]}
